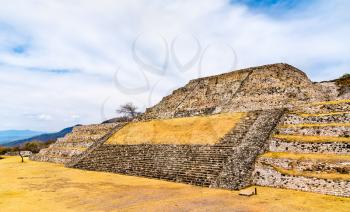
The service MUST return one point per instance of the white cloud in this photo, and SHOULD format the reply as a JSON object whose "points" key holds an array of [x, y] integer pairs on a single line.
{"points": [[44, 117], [59, 57]]}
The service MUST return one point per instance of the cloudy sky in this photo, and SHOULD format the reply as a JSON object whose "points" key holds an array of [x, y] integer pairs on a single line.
{"points": [[66, 62]]}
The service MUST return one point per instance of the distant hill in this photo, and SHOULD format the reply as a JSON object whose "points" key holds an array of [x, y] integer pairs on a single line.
{"points": [[43, 137], [14, 135]]}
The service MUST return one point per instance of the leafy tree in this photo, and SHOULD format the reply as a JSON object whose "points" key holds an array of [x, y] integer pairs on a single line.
{"points": [[33, 146], [129, 110]]}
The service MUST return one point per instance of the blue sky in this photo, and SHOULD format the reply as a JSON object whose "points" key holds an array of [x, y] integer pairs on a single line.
{"points": [[69, 62]]}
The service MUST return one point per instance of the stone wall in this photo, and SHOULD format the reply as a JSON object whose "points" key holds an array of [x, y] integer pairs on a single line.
{"points": [[74, 143], [205, 165], [279, 145], [309, 151], [324, 119], [237, 171], [322, 130], [267, 176], [259, 88]]}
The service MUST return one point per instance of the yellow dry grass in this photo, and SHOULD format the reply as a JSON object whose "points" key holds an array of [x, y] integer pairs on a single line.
{"points": [[301, 156], [192, 130], [329, 176], [332, 102], [38, 186], [312, 139], [315, 125]]}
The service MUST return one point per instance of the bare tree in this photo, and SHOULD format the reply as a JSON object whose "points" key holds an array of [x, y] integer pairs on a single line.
{"points": [[19, 149], [129, 110]]}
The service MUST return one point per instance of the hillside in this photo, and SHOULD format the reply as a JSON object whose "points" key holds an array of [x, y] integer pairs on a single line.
{"points": [[13, 135], [42, 137]]}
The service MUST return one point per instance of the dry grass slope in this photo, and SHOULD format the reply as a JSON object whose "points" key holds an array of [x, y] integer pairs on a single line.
{"points": [[192, 130]]}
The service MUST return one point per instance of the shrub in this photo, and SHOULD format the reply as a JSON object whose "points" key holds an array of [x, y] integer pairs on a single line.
{"points": [[4, 150]]}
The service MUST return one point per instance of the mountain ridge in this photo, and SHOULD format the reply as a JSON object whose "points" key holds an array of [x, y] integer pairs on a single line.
{"points": [[41, 137]]}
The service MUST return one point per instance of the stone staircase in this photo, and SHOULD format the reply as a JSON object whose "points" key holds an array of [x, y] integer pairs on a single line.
{"points": [[203, 165], [74, 143], [310, 150]]}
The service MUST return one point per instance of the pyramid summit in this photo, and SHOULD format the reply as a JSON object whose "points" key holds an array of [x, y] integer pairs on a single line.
{"points": [[258, 88], [268, 125]]}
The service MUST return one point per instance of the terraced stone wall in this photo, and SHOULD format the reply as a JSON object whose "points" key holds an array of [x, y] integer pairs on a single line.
{"points": [[74, 143], [226, 164], [268, 176], [309, 151]]}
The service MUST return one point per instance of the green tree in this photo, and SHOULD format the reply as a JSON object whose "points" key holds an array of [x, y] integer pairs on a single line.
{"points": [[33, 146]]}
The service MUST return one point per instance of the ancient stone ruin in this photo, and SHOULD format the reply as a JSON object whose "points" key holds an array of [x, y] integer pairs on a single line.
{"points": [[267, 125], [75, 143]]}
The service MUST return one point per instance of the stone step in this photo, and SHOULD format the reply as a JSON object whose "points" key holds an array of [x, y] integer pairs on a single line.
{"points": [[330, 129], [84, 144], [337, 117], [62, 152], [324, 107], [331, 184], [325, 163], [50, 158], [310, 144]]}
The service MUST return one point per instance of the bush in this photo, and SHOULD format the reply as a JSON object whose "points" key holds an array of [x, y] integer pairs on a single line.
{"points": [[33, 146], [4, 150]]}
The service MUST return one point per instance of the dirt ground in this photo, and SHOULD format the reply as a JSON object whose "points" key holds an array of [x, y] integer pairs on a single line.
{"points": [[37, 186]]}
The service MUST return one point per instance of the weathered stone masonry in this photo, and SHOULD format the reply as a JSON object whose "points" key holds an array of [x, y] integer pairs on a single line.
{"points": [[223, 165]]}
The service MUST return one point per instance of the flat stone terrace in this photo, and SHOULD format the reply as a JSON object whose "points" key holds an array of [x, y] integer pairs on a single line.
{"points": [[310, 151]]}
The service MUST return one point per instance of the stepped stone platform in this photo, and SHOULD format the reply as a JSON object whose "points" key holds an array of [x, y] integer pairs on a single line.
{"points": [[309, 151], [74, 143], [225, 164], [268, 125]]}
